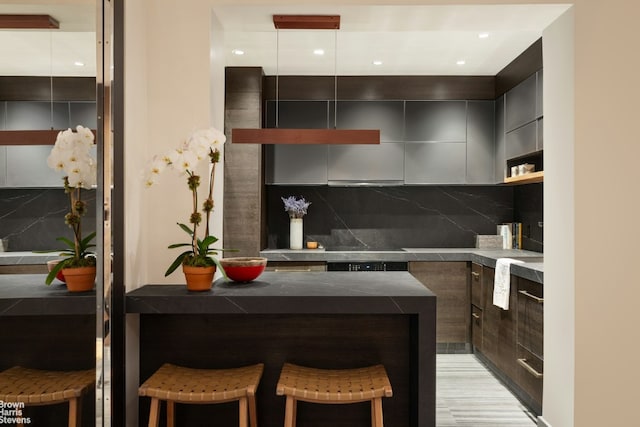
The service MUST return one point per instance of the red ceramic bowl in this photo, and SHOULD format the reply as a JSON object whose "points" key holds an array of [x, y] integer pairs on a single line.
{"points": [[243, 269], [59, 275]]}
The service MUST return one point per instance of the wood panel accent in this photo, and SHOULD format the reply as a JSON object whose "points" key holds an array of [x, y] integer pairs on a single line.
{"points": [[449, 281], [28, 22], [306, 22], [529, 178], [30, 137], [33, 88], [380, 87], [527, 63], [306, 136], [244, 201]]}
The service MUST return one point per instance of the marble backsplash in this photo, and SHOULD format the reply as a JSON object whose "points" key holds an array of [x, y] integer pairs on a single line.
{"points": [[370, 218], [32, 219]]}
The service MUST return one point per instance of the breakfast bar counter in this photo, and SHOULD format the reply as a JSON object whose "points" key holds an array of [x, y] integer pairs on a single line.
{"points": [[330, 320]]}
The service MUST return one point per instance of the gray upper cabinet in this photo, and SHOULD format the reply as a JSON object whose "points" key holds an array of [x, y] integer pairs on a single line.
{"points": [[521, 104], [3, 166], [500, 160], [36, 115], [3, 113], [26, 166], [83, 113], [366, 163], [298, 114], [435, 121], [521, 141], [539, 85], [480, 142], [435, 163], [296, 164], [369, 163], [540, 135], [388, 116]]}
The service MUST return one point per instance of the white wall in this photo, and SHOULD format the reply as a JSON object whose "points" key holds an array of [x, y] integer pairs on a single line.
{"points": [[593, 272], [559, 211]]}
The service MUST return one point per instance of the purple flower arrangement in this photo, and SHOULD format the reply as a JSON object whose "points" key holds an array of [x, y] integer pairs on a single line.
{"points": [[296, 208]]}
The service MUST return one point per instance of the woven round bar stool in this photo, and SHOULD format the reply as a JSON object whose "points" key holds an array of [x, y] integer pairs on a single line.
{"points": [[34, 387], [177, 384], [336, 386]]}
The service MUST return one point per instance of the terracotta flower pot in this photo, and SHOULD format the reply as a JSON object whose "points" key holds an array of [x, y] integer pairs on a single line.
{"points": [[80, 279], [199, 278]]}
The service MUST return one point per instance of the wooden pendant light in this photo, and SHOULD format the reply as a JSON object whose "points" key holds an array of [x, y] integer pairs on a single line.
{"points": [[35, 22]]}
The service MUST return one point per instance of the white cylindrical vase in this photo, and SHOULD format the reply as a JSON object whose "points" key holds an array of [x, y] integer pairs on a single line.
{"points": [[295, 233]]}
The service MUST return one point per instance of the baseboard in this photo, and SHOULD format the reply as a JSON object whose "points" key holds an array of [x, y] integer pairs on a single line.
{"points": [[542, 422], [454, 348]]}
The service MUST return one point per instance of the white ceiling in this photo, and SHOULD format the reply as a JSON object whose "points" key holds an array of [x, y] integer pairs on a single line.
{"points": [[409, 40], [51, 52]]}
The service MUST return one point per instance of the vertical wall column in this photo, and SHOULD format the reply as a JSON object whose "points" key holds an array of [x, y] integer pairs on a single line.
{"points": [[244, 207]]}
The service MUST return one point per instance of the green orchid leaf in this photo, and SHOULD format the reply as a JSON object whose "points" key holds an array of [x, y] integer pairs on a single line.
{"points": [[221, 268], [178, 245], [186, 228], [66, 242], [54, 271], [177, 262]]}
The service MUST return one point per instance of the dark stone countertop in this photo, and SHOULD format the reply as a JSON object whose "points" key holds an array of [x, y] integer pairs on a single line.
{"points": [[532, 267], [290, 292], [27, 295], [28, 258]]}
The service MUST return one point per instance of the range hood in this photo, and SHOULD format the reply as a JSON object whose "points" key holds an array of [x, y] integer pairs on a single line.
{"points": [[305, 136]]}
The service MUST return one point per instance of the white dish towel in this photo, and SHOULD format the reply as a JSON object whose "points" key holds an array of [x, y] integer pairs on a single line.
{"points": [[502, 282]]}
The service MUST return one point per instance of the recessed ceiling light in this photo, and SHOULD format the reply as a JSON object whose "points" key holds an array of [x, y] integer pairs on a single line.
{"points": [[461, 62], [318, 52], [237, 52], [377, 62], [79, 64], [483, 35]]}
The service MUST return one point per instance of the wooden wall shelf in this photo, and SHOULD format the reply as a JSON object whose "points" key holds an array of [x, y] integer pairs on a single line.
{"points": [[529, 178]]}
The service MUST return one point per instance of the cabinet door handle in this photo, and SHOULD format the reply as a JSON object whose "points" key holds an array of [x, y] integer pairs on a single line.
{"points": [[475, 275], [529, 368], [475, 316], [533, 297], [301, 270]]}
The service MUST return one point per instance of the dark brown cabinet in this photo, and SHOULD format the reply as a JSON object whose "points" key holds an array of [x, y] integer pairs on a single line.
{"points": [[499, 327], [530, 355], [511, 340], [449, 281], [477, 303]]}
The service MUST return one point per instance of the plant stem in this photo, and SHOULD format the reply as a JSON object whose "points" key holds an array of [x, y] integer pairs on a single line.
{"points": [[211, 182], [194, 240], [74, 195]]}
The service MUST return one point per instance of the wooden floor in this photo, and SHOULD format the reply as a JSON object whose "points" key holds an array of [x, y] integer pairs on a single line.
{"points": [[467, 394]]}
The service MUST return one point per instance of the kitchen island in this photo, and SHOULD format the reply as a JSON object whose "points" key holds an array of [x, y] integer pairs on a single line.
{"points": [[321, 319], [47, 327]]}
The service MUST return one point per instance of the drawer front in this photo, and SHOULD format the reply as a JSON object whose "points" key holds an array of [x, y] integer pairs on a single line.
{"points": [[476, 285], [531, 316], [530, 374], [476, 327]]}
